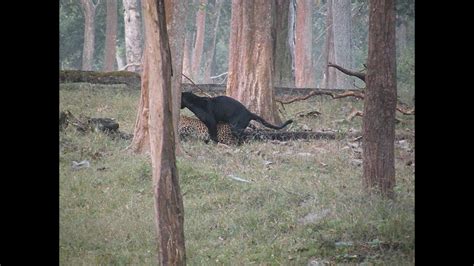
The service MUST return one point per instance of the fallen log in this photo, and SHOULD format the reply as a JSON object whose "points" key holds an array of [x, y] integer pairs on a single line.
{"points": [[88, 124], [128, 78]]}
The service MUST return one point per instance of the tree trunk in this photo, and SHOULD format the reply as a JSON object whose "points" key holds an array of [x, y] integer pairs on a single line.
{"points": [[378, 123], [188, 47], [292, 37], [211, 48], [141, 140], [338, 49], [401, 35], [199, 44], [176, 12], [169, 210], [120, 59], [88, 8], [251, 57], [133, 34], [110, 35], [304, 70], [283, 62]]}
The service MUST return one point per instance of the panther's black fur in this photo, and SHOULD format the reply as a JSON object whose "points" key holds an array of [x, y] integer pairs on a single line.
{"points": [[211, 110]]}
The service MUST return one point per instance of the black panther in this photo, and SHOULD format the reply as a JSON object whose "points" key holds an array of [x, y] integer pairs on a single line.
{"points": [[212, 110]]}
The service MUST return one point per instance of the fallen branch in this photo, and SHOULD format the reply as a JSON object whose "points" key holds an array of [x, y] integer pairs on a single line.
{"points": [[359, 95], [405, 111], [353, 114], [305, 97]]}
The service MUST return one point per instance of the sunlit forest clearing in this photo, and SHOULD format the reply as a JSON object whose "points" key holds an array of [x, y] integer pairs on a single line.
{"points": [[267, 202]]}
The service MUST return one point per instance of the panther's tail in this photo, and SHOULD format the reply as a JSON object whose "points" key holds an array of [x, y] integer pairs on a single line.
{"points": [[265, 123]]}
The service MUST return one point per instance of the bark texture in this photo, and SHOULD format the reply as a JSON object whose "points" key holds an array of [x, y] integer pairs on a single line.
{"points": [[110, 36], [169, 210], [339, 43], [251, 57], [176, 16], [199, 44], [133, 34], [88, 8], [283, 75], [380, 100], [304, 70]]}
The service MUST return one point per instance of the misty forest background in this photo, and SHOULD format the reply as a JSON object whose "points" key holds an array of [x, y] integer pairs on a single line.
{"points": [[214, 62]]}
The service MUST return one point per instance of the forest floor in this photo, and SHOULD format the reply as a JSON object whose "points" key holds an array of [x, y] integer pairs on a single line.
{"points": [[303, 203]]}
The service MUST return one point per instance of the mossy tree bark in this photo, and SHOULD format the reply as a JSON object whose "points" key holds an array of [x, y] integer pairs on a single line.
{"points": [[251, 57], [378, 123], [169, 210]]}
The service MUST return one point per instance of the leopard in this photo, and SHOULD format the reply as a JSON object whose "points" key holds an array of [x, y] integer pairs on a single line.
{"points": [[193, 128]]}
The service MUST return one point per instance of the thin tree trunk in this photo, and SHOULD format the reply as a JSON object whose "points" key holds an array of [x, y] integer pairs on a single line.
{"points": [[120, 59], [169, 210], [133, 34], [188, 40], [378, 123], [292, 36], [141, 139], [251, 57], [199, 44], [176, 12], [304, 70], [88, 8], [283, 74], [339, 43], [211, 50], [401, 35], [110, 35]]}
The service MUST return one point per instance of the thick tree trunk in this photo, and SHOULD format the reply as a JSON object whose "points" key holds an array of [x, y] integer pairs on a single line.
{"points": [[169, 210], [304, 70], [88, 8], [251, 57], [199, 44], [110, 36], [176, 16], [339, 43], [283, 62], [380, 100], [133, 34], [211, 48]]}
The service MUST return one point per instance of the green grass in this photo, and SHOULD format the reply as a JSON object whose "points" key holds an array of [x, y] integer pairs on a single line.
{"points": [[307, 204]]}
